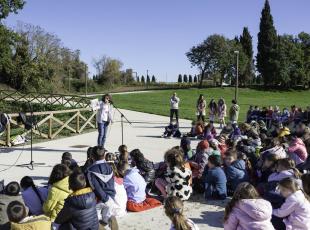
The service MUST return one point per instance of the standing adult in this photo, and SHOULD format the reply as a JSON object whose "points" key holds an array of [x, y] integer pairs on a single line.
{"points": [[212, 110], [174, 107], [201, 108], [104, 118], [221, 107], [234, 112]]}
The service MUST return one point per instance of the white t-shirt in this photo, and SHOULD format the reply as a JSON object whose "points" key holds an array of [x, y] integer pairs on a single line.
{"points": [[174, 102]]}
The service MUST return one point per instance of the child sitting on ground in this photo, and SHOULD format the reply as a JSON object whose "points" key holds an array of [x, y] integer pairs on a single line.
{"points": [[19, 218], [174, 210], [235, 170], [296, 208], [196, 130], [120, 198], [177, 178], [79, 211], [186, 148], [69, 161], [58, 191], [284, 168], [215, 179], [33, 196], [247, 210], [135, 187], [123, 159], [11, 193], [297, 150], [267, 168], [145, 166], [100, 178]]}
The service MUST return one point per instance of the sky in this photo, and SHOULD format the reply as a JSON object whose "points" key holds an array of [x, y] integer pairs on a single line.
{"points": [[155, 35]]}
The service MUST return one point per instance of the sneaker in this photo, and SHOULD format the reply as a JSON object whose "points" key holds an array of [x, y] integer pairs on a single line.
{"points": [[113, 223]]}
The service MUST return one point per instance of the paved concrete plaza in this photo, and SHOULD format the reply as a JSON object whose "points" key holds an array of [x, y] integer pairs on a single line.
{"points": [[144, 133]]}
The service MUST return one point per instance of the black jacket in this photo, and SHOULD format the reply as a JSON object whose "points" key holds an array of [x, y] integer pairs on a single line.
{"points": [[79, 212], [147, 170]]}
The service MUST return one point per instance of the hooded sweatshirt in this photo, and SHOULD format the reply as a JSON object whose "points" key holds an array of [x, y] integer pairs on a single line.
{"points": [[295, 211], [250, 214], [298, 147]]}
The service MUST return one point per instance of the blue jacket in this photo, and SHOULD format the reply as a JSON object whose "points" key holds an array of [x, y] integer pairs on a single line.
{"points": [[79, 211], [215, 183], [236, 173], [100, 178]]}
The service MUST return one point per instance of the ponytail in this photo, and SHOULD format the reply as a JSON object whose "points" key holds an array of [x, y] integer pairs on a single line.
{"points": [[180, 222]]}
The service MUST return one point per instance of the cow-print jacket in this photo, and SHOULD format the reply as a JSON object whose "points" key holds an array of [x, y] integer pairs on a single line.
{"points": [[179, 182]]}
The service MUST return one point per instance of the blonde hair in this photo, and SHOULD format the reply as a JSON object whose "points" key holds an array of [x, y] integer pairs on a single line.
{"points": [[174, 210]]}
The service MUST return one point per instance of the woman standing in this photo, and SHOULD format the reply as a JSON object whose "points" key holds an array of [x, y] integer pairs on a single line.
{"points": [[104, 117], [212, 110], [201, 108], [221, 107]]}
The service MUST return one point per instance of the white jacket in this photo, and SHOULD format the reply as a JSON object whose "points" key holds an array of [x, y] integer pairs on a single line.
{"points": [[104, 112], [174, 102]]}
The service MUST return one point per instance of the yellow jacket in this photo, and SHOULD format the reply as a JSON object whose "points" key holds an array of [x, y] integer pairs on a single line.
{"points": [[33, 223], [57, 194]]}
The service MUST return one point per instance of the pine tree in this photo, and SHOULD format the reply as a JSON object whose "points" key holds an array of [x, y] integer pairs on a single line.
{"points": [[267, 42], [153, 79], [143, 79], [247, 47], [185, 79], [180, 78], [190, 79], [195, 79], [148, 80], [138, 79]]}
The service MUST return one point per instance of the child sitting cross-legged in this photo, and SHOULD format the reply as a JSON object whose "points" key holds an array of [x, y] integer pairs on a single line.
{"points": [[247, 210], [17, 213], [135, 186], [174, 210], [215, 179], [296, 208], [79, 211]]}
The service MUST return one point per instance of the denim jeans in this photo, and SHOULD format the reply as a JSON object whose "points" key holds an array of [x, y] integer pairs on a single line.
{"points": [[102, 132]]}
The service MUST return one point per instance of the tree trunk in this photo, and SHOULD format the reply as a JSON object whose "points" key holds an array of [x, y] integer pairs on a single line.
{"points": [[201, 78]]}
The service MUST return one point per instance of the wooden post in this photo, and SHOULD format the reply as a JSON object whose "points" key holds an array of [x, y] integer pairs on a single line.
{"points": [[78, 122], [8, 134], [50, 127]]}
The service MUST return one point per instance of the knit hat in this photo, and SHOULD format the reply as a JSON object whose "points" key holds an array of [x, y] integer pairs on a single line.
{"points": [[202, 145], [284, 132]]}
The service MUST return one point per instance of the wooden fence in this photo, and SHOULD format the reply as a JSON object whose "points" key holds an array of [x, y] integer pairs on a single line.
{"points": [[50, 124], [70, 101]]}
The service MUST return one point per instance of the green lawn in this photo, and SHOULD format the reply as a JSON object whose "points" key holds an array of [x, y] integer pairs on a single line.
{"points": [[157, 102]]}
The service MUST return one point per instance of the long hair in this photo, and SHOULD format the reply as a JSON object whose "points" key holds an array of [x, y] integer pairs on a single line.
{"points": [[305, 178], [110, 159], [27, 182], [137, 156], [292, 184], [174, 158], [59, 172], [287, 164], [244, 191], [212, 105], [174, 210], [200, 99]]}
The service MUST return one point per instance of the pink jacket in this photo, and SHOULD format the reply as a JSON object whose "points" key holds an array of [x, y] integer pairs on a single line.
{"points": [[298, 147], [250, 214], [295, 211]]}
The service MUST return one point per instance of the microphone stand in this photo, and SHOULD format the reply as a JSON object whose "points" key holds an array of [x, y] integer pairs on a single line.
{"points": [[33, 124], [122, 120]]}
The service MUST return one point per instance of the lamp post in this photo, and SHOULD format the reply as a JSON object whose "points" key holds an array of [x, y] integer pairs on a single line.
{"points": [[237, 75]]}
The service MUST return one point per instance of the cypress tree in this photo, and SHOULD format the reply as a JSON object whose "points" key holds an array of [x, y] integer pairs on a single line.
{"points": [[180, 78], [267, 42], [246, 43]]}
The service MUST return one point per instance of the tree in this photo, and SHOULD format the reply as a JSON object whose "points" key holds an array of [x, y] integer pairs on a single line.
{"points": [[247, 47], [10, 6], [180, 78], [185, 79], [153, 79], [108, 70], [138, 79], [266, 48], [190, 79], [143, 79], [148, 79], [195, 79]]}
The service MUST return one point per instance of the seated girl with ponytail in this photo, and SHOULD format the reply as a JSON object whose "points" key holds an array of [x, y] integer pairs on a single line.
{"points": [[33, 196], [174, 210]]}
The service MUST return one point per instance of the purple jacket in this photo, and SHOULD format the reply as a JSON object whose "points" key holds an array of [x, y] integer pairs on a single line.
{"points": [[277, 176], [295, 211], [250, 214], [135, 185]]}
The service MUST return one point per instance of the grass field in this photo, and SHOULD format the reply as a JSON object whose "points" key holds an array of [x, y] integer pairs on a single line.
{"points": [[157, 102]]}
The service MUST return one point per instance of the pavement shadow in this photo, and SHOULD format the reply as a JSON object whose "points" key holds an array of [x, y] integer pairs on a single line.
{"points": [[210, 218]]}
